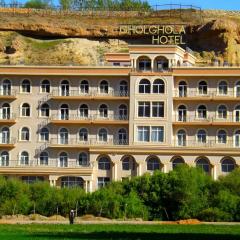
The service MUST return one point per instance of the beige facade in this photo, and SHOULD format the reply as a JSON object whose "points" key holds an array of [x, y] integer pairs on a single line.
{"points": [[152, 108]]}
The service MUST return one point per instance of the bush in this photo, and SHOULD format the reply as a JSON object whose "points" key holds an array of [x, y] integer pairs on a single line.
{"points": [[214, 215]]}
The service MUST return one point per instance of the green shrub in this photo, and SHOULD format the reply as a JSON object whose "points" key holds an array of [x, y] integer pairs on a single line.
{"points": [[214, 215]]}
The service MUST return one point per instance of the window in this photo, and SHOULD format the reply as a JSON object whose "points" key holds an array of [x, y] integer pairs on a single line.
{"points": [[71, 182], [237, 138], [182, 113], [104, 163], [83, 159], [45, 110], [65, 88], [45, 86], [201, 136], [102, 135], [103, 111], [63, 136], [32, 179], [24, 158], [222, 136], [157, 134], [176, 162], [202, 88], [228, 165], [83, 135], [202, 112], [122, 136], [64, 112], [222, 112], [161, 63], [43, 158], [104, 87], [84, 87], [6, 111], [182, 89], [5, 135], [25, 135], [4, 159], [123, 88], [181, 138], [126, 164], [223, 88], [103, 181], [158, 86], [123, 112], [44, 135], [83, 110], [237, 113], [63, 159], [144, 64], [143, 134], [25, 110], [143, 109], [238, 89], [26, 86], [158, 109], [6, 89], [144, 86], [153, 164], [203, 164]]}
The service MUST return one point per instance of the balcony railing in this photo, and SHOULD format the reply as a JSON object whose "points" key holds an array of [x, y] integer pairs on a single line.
{"points": [[206, 144], [6, 116], [7, 141], [8, 93], [206, 94]]}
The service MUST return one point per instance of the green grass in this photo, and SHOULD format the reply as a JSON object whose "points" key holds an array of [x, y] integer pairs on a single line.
{"points": [[43, 44], [117, 232]]}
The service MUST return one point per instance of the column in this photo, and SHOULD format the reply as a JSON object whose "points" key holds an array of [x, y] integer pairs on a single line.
{"points": [[90, 186], [139, 169], [52, 180], [214, 172], [114, 171], [164, 168], [152, 65], [86, 186]]}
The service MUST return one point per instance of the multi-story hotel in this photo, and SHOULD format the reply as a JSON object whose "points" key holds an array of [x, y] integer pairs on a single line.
{"points": [[151, 108]]}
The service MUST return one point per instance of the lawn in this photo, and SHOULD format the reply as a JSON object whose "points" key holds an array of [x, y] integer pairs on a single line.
{"points": [[117, 232]]}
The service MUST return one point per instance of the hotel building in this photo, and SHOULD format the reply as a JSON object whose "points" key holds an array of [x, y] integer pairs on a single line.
{"points": [[151, 108]]}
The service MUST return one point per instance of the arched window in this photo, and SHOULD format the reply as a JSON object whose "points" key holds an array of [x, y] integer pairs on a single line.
{"points": [[222, 136], [201, 136], [83, 159], [4, 158], [237, 89], [202, 112], [6, 111], [122, 136], [6, 87], [104, 163], [102, 135], [123, 88], [144, 64], [182, 89], [237, 138], [161, 63], [182, 113], [25, 134], [237, 113], [70, 182], [24, 158], [181, 138], [44, 135], [222, 112], [144, 86], [123, 112], [25, 110], [103, 111], [223, 88], [65, 88], [202, 88], [203, 164], [43, 158], [26, 86], [83, 135], [104, 87], [153, 164], [63, 159], [63, 136], [84, 87], [45, 110], [64, 112], [158, 86], [45, 86], [228, 165], [5, 135], [83, 110], [128, 163], [176, 162]]}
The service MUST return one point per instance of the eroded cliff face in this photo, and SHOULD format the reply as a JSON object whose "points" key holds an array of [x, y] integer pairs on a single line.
{"points": [[83, 41]]}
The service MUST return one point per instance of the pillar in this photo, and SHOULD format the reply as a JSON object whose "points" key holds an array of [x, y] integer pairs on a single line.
{"points": [[152, 65], [115, 171], [90, 186], [164, 168], [139, 169], [214, 172], [52, 180]]}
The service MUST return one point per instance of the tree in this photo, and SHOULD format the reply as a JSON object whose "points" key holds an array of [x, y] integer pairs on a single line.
{"points": [[38, 4]]}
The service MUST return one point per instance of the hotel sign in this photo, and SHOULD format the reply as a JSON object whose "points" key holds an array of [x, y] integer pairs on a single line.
{"points": [[161, 34]]}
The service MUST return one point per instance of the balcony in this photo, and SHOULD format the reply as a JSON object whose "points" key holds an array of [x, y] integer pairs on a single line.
{"points": [[7, 142], [91, 95], [76, 143], [7, 118], [91, 119], [7, 94], [195, 95]]}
